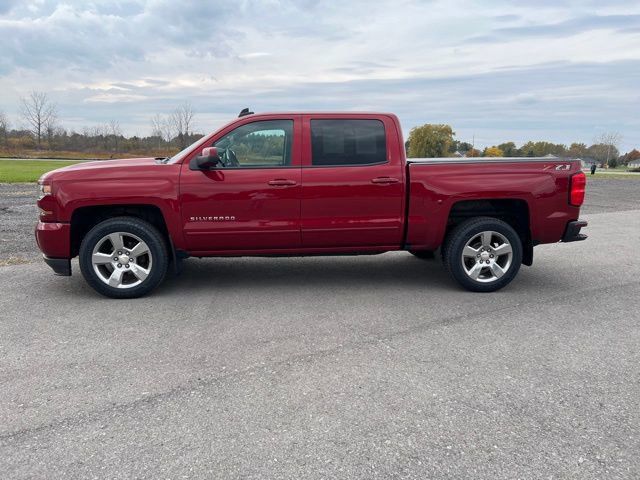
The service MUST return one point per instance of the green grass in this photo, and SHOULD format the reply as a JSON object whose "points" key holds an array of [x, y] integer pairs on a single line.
{"points": [[619, 176], [19, 171]]}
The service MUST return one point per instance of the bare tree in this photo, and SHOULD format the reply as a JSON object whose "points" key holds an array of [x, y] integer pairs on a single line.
{"points": [[39, 113], [115, 132], [177, 127], [611, 140], [167, 131], [50, 129], [157, 124], [4, 128], [182, 122]]}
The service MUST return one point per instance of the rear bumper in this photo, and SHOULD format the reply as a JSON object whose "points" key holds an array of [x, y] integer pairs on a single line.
{"points": [[60, 266], [572, 232]]}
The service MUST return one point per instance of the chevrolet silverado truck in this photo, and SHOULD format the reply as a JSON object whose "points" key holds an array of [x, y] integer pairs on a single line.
{"points": [[294, 184]]}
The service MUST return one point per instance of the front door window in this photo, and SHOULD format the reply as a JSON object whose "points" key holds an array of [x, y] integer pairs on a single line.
{"points": [[262, 144]]}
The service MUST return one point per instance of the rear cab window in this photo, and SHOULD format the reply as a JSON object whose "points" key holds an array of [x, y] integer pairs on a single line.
{"points": [[345, 142]]}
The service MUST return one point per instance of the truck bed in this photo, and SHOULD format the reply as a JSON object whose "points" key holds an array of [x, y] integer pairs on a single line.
{"points": [[442, 187]]}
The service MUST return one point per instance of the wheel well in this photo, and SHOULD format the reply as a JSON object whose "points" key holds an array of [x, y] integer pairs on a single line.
{"points": [[85, 218], [512, 211]]}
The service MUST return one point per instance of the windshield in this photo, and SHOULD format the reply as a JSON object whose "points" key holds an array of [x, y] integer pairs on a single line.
{"points": [[180, 155]]}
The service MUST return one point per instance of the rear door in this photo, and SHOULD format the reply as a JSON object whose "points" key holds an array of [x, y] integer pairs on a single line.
{"points": [[252, 201], [353, 182]]}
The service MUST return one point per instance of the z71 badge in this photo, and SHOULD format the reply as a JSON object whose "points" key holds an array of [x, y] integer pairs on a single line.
{"points": [[212, 219]]}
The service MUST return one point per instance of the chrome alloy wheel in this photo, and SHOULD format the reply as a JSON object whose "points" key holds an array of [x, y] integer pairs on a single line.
{"points": [[487, 256], [122, 260]]}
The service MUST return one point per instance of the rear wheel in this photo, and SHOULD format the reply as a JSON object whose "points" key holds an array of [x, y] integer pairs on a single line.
{"points": [[123, 257], [483, 254]]}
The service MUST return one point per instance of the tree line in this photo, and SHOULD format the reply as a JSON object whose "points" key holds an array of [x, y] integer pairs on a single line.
{"points": [[39, 128], [432, 140]]}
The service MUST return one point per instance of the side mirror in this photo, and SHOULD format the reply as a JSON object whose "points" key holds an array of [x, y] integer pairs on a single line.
{"points": [[208, 160]]}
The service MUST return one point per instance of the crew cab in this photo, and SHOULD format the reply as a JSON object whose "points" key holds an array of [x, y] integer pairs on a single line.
{"points": [[304, 184]]}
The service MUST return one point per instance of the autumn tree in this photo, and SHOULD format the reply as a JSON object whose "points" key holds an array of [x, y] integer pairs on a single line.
{"points": [[39, 114], [492, 152], [458, 146], [604, 154], [472, 152], [430, 140], [577, 150], [541, 149], [509, 149], [630, 156]]}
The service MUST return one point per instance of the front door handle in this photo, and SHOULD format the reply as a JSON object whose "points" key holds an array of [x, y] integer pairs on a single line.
{"points": [[385, 180], [282, 182]]}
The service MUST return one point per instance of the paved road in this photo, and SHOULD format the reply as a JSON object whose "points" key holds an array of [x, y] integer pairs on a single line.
{"points": [[371, 367]]}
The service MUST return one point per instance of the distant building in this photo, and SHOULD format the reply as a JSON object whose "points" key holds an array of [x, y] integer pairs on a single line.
{"points": [[588, 161], [457, 154], [634, 163], [550, 155]]}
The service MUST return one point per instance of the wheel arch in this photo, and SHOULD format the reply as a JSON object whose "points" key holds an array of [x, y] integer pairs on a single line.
{"points": [[514, 211], [85, 218]]}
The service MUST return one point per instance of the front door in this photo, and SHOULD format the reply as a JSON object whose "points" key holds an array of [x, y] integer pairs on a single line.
{"points": [[251, 202]]}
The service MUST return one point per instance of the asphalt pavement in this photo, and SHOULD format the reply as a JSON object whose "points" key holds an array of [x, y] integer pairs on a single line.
{"points": [[336, 367]]}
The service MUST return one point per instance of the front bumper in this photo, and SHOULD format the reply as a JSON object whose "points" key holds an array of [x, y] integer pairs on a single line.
{"points": [[60, 266], [54, 239], [572, 232]]}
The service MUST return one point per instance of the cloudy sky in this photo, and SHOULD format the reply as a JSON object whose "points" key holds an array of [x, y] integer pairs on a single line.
{"points": [[562, 70]]}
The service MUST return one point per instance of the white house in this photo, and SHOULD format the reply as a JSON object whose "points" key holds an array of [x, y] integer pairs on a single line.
{"points": [[588, 161]]}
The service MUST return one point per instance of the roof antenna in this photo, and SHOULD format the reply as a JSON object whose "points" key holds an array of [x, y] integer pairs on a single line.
{"points": [[244, 112]]}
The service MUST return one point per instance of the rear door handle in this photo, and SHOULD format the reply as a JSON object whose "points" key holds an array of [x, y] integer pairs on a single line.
{"points": [[282, 182], [385, 180]]}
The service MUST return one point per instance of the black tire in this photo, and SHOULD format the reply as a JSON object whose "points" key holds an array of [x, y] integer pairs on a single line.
{"points": [[423, 254], [454, 261], [157, 249]]}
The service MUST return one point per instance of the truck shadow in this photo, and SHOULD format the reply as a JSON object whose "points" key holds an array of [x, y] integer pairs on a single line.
{"points": [[395, 270], [391, 273]]}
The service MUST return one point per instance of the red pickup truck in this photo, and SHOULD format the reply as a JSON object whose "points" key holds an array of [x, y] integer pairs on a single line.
{"points": [[304, 184]]}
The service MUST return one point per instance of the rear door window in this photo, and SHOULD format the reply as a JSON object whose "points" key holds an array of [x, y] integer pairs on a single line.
{"points": [[347, 142]]}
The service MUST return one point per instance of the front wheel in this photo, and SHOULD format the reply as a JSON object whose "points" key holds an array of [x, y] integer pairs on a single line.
{"points": [[123, 257], [483, 254]]}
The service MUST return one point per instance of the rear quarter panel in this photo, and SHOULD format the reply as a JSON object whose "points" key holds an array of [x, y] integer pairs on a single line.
{"points": [[436, 187]]}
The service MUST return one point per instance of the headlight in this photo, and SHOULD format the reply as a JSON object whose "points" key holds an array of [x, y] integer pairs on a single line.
{"points": [[43, 190]]}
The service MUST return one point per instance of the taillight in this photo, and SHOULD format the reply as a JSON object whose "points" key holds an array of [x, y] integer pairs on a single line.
{"points": [[576, 190]]}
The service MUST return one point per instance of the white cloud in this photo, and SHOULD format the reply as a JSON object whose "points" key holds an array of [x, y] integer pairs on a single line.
{"points": [[504, 70]]}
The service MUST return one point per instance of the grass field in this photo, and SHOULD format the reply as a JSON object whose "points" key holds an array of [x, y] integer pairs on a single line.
{"points": [[619, 176], [70, 155], [19, 170]]}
